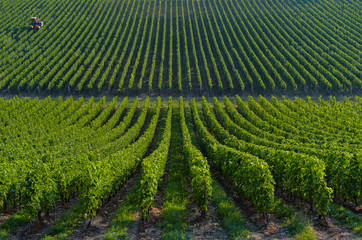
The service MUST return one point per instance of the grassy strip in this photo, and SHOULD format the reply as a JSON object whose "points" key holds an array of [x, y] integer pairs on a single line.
{"points": [[174, 212], [297, 225], [232, 221], [306, 233], [17, 220], [350, 220], [124, 218], [63, 228]]}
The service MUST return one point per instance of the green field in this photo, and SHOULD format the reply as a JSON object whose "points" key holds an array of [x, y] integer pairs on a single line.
{"points": [[183, 47]]}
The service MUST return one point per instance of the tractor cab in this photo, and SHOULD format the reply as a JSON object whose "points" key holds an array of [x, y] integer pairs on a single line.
{"points": [[35, 23]]}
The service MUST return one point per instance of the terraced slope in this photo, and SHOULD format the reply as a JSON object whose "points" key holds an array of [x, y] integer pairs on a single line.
{"points": [[181, 47]]}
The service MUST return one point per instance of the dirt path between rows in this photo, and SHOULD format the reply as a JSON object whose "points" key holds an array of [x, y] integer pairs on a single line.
{"points": [[101, 223], [38, 228]]}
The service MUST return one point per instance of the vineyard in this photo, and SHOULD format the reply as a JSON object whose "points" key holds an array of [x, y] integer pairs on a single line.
{"points": [[180, 119], [280, 155], [181, 47]]}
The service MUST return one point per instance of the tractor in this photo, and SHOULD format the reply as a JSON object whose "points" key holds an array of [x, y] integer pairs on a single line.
{"points": [[35, 23]]}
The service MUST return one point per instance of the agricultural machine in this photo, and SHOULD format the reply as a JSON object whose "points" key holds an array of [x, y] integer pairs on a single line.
{"points": [[35, 23]]}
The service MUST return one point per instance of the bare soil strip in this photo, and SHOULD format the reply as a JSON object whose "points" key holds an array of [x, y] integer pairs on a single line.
{"points": [[208, 228], [38, 228], [100, 224]]}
